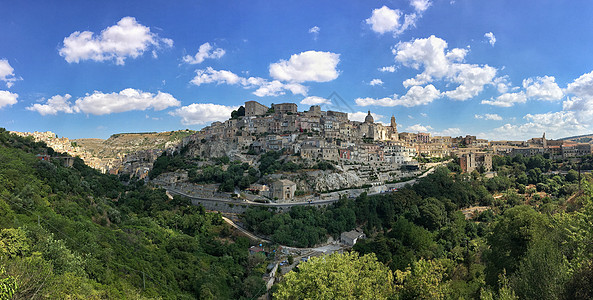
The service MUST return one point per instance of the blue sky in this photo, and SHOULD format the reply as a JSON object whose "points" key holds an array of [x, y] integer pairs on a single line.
{"points": [[496, 69]]}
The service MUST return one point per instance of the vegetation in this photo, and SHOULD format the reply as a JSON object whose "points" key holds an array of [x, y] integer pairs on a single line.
{"points": [[533, 241], [345, 276], [75, 233]]}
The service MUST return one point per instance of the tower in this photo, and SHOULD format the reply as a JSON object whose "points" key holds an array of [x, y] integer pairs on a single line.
{"points": [[369, 118], [393, 129]]}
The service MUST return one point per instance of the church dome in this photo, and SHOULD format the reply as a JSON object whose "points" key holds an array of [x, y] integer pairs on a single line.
{"points": [[369, 118]]}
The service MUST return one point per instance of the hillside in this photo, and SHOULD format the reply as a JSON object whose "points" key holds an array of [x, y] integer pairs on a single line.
{"points": [[587, 138], [73, 233], [125, 143]]}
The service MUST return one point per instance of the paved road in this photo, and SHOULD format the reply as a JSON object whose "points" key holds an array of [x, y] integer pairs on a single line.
{"points": [[249, 234], [306, 203]]}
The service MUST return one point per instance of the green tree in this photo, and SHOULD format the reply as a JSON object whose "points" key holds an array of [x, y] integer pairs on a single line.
{"points": [[542, 273], [510, 238], [423, 280], [338, 276]]}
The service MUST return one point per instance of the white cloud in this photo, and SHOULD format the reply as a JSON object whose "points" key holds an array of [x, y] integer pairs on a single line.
{"points": [[376, 81], [542, 88], [424, 115], [582, 102], [7, 73], [507, 100], [202, 113], [494, 117], [415, 96], [209, 75], [7, 98], [126, 39], [315, 66], [385, 19], [491, 38], [555, 125], [314, 100], [471, 80], [582, 86], [502, 84], [314, 31], [360, 115], [439, 64], [54, 105], [420, 5], [453, 131], [419, 128], [205, 51], [262, 86], [277, 88], [99, 103], [389, 69]]}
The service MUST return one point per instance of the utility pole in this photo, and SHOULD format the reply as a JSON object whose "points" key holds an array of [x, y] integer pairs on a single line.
{"points": [[143, 281]]}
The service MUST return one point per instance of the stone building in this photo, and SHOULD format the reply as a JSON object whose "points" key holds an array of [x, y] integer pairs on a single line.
{"points": [[351, 237], [254, 108], [473, 160], [283, 189], [285, 108]]}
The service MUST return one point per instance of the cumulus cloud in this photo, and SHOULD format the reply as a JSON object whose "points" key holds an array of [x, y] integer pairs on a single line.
{"points": [[438, 64], [126, 39], [376, 81], [209, 75], [507, 99], [416, 95], [491, 38], [384, 20], [7, 73], [494, 117], [54, 105], [202, 113], [389, 69], [205, 51], [581, 87], [554, 124], [314, 100], [360, 115], [419, 128], [7, 98], [394, 21], [99, 103], [453, 131], [538, 88], [317, 66], [263, 87], [420, 5], [542, 88]]}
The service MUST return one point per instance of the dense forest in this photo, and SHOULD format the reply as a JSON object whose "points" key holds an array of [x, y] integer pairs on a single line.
{"points": [[531, 239], [77, 234]]}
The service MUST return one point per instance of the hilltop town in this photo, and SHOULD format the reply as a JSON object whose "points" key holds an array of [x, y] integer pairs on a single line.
{"points": [[329, 135], [321, 151]]}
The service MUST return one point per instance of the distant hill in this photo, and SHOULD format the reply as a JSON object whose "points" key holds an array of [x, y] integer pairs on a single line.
{"points": [[123, 143], [587, 138]]}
